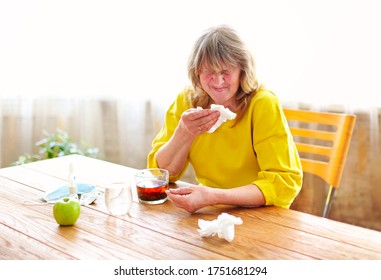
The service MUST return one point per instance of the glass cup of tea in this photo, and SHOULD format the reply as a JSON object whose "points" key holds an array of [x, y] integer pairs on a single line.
{"points": [[118, 198], [151, 185]]}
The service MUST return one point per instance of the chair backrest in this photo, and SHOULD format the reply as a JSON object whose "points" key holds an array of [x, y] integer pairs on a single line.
{"points": [[322, 140]]}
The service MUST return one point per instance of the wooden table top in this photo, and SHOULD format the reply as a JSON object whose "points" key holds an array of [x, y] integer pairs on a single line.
{"points": [[29, 231]]}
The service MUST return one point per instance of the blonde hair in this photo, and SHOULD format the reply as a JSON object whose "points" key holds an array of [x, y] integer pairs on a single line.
{"points": [[217, 47]]}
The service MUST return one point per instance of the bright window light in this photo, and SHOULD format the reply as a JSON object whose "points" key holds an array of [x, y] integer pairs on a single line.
{"points": [[308, 51]]}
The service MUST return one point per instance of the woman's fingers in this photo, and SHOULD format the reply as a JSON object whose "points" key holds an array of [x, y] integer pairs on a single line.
{"points": [[180, 191], [188, 198], [199, 121]]}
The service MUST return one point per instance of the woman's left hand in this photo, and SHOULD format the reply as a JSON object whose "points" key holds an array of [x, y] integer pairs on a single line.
{"points": [[190, 198]]}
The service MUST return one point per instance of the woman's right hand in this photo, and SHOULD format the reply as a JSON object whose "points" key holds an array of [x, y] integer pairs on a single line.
{"points": [[174, 154], [197, 122]]}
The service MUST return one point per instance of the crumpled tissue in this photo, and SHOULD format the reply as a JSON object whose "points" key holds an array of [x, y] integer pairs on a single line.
{"points": [[223, 226], [225, 114]]}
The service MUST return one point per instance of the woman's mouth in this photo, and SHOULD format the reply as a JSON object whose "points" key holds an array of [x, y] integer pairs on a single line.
{"points": [[219, 89]]}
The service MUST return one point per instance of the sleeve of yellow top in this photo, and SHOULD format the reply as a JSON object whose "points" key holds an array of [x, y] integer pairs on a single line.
{"points": [[280, 178], [171, 121]]}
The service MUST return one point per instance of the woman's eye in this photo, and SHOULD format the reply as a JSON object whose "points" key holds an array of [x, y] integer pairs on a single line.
{"points": [[207, 73]]}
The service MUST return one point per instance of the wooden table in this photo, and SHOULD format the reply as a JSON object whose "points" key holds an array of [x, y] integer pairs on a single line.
{"points": [[29, 231]]}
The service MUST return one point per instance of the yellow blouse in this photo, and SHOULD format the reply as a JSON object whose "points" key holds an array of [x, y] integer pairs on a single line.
{"points": [[258, 149]]}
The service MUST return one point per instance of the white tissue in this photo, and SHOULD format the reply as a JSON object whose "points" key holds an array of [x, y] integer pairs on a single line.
{"points": [[225, 114], [223, 226]]}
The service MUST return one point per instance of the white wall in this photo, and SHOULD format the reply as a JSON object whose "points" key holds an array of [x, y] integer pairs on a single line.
{"points": [[322, 51]]}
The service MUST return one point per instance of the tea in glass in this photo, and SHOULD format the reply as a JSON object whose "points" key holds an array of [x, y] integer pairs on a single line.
{"points": [[151, 185]]}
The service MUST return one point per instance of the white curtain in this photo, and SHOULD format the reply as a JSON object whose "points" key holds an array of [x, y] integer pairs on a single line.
{"points": [[122, 130]]}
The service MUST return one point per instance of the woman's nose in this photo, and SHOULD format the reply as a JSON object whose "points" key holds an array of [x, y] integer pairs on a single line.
{"points": [[218, 78]]}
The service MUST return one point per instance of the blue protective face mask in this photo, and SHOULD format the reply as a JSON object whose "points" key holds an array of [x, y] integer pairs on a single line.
{"points": [[87, 194]]}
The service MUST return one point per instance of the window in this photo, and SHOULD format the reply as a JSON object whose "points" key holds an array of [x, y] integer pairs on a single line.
{"points": [[309, 51]]}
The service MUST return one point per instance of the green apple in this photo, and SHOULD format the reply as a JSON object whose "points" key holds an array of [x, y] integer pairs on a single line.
{"points": [[66, 211]]}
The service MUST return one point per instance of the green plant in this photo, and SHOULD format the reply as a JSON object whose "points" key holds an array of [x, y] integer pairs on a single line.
{"points": [[56, 145]]}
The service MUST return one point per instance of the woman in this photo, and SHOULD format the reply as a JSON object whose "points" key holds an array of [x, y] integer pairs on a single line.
{"points": [[249, 161]]}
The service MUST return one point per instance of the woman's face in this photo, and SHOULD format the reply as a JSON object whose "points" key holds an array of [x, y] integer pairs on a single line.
{"points": [[221, 86]]}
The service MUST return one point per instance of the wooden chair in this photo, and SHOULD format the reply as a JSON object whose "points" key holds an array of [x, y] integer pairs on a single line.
{"points": [[322, 140]]}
